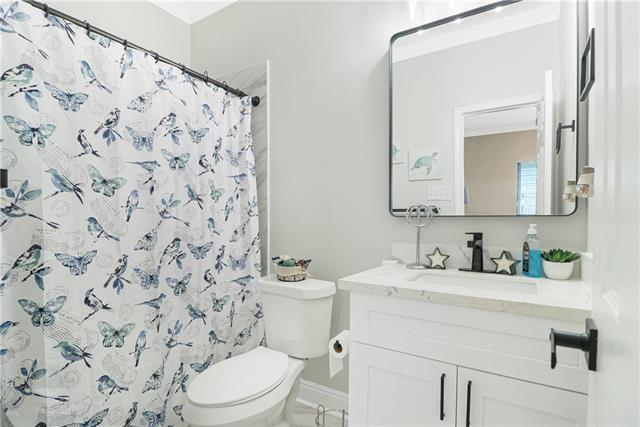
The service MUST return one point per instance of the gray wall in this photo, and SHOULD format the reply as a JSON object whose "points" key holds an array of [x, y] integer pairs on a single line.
{"points": [[140, 22], [329, 134]]}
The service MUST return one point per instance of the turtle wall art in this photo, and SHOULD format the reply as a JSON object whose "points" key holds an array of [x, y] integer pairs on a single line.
{"points": [[425, 164]]}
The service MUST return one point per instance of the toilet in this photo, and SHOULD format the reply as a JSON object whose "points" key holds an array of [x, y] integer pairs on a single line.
{"points": [[259, 388]]}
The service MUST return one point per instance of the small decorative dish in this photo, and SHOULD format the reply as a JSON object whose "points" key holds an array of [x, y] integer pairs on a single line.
{"points": [[290, 269]]}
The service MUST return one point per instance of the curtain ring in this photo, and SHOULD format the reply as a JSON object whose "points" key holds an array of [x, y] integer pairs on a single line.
{"points": [[183, 68], [45, 7], [156, 56], [87, 26], [125, 44], [206, 76]]}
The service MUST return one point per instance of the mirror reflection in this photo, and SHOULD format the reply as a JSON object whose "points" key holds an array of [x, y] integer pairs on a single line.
{"points": [[484, 112]]}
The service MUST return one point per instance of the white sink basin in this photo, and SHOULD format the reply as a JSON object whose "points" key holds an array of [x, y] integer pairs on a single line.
{"points": [[479, 281]]}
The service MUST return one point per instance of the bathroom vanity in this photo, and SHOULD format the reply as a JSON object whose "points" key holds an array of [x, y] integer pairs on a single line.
{"points": [[451, 348]]}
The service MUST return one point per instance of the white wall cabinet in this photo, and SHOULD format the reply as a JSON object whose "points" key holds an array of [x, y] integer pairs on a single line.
{"points": [[401, 348]]}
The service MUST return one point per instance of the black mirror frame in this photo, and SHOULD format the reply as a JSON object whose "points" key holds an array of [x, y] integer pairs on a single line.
{"points": [[401, 212]]}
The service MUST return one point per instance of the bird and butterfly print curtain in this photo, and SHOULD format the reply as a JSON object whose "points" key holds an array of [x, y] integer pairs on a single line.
{"points": [[129, 229]]}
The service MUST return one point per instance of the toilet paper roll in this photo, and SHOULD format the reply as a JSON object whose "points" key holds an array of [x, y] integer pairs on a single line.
{"points": [[338, 350]]}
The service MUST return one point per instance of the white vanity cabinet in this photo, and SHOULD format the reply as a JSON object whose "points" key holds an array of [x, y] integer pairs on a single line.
{"points": [[402, 347], [493, 400], [389, 388]]}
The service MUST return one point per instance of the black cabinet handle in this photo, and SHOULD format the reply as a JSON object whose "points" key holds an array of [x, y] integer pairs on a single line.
{"points": [[468, 422], [442, 397]]}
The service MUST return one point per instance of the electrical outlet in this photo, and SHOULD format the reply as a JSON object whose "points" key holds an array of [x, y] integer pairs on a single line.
{"points": [[439, 193]]}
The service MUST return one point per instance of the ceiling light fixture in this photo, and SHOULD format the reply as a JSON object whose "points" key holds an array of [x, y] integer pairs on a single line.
{"points": [[417, 10], [412, 9]]}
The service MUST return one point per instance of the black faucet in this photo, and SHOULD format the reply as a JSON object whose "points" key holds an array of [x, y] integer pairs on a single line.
{"points": [[477, 256]]}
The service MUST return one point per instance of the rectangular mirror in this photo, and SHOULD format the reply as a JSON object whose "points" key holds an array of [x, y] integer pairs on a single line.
{"points": [[484, 111]]}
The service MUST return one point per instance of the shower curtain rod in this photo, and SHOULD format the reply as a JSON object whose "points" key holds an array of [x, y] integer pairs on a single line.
{"points": [[255, 100]]}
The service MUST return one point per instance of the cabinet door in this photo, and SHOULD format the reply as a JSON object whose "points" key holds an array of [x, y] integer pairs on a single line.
{"points": [[388, 388], [492, 400]]}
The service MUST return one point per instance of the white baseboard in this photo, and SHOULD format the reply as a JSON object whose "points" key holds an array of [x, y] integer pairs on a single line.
{"points": [[312, 394]]}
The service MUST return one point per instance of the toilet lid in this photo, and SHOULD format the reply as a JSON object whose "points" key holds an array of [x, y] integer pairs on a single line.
{"points": [[239, 379]]}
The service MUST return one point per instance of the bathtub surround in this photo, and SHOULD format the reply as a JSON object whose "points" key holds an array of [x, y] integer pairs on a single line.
{"points": [[255, 80], [130, 242], [329, 138]]}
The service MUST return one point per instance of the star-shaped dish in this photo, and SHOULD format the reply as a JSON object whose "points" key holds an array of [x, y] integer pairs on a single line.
{"points": [[437, 259], [505, 264]]}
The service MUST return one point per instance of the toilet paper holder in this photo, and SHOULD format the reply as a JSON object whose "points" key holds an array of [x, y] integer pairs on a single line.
{"points": [[338, 348]]}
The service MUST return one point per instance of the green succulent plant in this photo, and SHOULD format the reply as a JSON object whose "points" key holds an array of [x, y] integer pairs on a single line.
{"points": [[560, 255], [287, 261]]}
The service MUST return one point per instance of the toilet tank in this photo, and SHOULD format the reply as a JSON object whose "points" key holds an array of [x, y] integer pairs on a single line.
{"points": [[297, 315]]}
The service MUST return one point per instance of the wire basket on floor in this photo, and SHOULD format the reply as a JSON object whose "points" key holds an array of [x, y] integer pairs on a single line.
{"points": [[321, 413]]}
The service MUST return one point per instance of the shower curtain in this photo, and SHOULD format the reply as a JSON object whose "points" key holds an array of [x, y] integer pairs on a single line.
{"points": [[129, 231]]}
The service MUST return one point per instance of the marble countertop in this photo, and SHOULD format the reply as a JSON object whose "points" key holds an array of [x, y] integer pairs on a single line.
{"points": [[564, 300]]}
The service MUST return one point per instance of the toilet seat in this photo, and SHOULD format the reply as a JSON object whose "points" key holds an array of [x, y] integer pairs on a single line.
{"points": [[264, 410], [239, 379]]}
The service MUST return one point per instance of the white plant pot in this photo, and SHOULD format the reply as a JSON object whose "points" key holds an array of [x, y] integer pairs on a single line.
{"points": [[557, 270]]}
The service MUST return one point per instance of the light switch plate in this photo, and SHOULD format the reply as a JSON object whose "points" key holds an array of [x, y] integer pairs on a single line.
{"points": [[439, 193]]}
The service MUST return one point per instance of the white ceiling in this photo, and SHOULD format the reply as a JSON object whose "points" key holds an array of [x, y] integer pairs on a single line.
{"points": [[192, 11]]}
